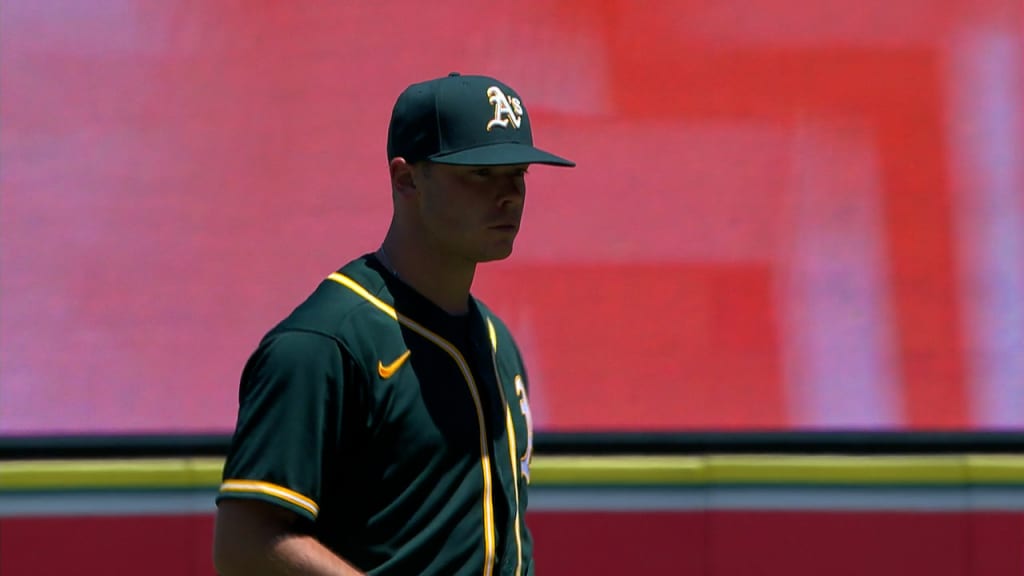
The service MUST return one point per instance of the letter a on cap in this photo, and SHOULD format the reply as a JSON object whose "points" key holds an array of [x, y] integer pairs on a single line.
{"points": [[505, 109]]}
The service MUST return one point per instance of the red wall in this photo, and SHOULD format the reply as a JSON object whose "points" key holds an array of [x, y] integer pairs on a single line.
{"points": [[740, 543], [817, 202]]}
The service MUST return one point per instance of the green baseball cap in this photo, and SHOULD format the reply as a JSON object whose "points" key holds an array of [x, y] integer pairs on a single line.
{"points": [[466, 120]]}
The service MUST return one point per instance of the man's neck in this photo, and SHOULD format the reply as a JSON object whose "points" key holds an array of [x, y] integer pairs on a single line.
{"points": [[443, 282]]}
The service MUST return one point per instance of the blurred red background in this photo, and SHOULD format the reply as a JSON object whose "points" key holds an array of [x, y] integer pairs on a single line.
{"points": [[787, 214]]}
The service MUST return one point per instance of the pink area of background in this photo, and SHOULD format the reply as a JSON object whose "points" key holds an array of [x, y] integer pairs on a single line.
{"points": [[177, 176]]}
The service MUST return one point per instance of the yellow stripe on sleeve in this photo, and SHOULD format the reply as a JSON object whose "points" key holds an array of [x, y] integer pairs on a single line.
{"points": [[493, 335], [355, 287], [268, 489]]}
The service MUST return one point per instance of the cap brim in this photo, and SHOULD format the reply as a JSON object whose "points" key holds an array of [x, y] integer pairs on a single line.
{"points": [[501, 154]]}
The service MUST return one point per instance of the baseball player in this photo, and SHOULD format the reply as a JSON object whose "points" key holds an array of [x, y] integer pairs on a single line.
{"points": [[384, 425]]}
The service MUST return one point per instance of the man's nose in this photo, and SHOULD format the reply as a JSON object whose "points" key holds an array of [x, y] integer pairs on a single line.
{"points": [[511, 189]]}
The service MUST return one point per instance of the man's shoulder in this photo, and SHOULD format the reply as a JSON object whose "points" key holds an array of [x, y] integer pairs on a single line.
{"points": [[346, 303], [490, 315], [502, 338]]}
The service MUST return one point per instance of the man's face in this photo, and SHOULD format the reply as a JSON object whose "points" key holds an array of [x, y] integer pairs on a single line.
{"points": [[471, 212]]}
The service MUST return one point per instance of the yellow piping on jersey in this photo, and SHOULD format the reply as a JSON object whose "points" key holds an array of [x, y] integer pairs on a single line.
{"points": [[460, 361], [493, 335], [510, 430], [513, 453], [355, 287], [269, 489]]}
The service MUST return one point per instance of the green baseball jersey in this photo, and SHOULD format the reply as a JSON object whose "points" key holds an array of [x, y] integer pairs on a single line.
{"points": [[401, 433]]}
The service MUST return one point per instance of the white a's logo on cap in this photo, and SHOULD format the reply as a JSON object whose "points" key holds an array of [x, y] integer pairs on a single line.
{"points": [[505, 109]]}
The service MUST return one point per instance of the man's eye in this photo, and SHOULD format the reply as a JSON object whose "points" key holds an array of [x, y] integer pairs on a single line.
{"points": [[482, 172]]}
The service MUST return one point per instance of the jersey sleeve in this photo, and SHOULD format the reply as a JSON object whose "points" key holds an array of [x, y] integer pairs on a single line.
{"points": [[289, 403]]}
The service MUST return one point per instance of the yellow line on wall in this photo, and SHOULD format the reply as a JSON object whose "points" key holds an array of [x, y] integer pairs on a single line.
{"points": [[616, 470], [553, 471], [996, 469], [110, 474], [871, 470]]}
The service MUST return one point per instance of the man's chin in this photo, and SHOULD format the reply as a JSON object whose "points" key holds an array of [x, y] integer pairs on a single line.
{"points": [[495, 254]]}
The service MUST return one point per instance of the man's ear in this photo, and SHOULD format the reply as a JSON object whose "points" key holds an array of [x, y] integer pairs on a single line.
{"points": [[402, 179]]}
